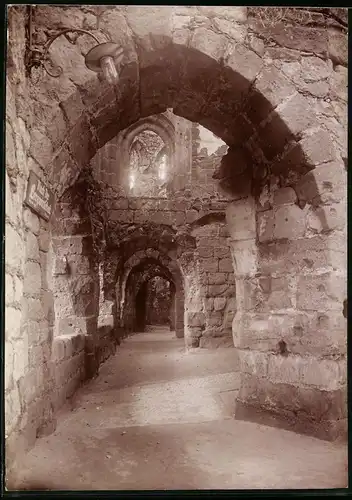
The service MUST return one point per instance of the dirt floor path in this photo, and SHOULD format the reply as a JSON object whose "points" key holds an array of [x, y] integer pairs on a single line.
{"points": [[158, 417]]}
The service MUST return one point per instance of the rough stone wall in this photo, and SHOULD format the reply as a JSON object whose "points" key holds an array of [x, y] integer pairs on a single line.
{"points": [[279, 102], [29, 372], [217, 292]]}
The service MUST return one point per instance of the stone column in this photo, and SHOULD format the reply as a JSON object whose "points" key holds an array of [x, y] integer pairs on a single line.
{"points": [[289, 328]]}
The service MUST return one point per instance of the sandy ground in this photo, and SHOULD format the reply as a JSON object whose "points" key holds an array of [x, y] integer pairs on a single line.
{"points": [[158, 417]]}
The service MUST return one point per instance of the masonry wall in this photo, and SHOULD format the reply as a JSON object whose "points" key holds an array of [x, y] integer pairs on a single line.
{"points": [[293, 118], [196, 155]]}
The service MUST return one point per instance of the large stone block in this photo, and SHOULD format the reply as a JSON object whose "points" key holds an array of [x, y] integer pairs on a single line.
{"points": [[18, 289], [284, 369], [285, 196], [318, 147], [217, 278], [296, 113], [253, 362], [13, 318], [328, 218], [195, 319], [205, 252], [208, 42], [9, 364], [252, 331], [245, 63], [322, 292], [209, 265], [244, 254], [14, 248], [304, 254], [44, 241], [32, 309], [9, 289], [216, 342], [303, 410], [240, 217], [221, 252], [32, 278], [32, 247], [231, 29], [274, 86], [31, 385], [21, 358], [324, 184], [290, 222], [216, 290], [12, 410], [338, 84], [219, 303], [324, 374], [234, 14], [226, 265], [266, 225], [314, 333], [338, 46]]}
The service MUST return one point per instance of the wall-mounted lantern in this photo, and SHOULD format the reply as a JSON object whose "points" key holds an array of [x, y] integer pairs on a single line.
{"points": [[104, 58]]}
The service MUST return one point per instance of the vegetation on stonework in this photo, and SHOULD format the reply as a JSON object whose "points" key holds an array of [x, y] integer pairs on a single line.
{"points": [[303, 16]]}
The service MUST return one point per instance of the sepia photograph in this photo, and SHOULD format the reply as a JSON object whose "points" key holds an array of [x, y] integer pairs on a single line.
{"points": [[175, 248]]}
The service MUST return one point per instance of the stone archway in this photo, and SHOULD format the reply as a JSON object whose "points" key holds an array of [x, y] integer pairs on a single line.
{"points": [[160, 263], [284, 168]]}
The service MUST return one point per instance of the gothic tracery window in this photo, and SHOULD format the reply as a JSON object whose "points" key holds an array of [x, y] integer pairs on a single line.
{"points": [[149, 161]]}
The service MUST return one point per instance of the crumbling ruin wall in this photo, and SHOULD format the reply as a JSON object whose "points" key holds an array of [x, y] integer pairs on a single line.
{"points": [[216, 286], [278, 97]]}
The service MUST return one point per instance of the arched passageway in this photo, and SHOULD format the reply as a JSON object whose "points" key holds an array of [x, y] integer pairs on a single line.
{"points": [[139, 271], [276, 95]]}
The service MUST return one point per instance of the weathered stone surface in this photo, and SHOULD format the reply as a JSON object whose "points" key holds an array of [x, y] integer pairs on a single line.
{"points": [[253, 363], [236, 31], [246, 63], [337, 47], [321, 292], [323, 374], [12, 410], [318, 147], [285, 196], [32, 247], [244, 255], [288, 301], [296, 113], [219, 303], [314, 68], [284, 369], [282, 405], [327, 218], [240, 217], [208, 42], [324, 184], [302, 255], [195, 319], [31, 221], [290, 222], [338, 84]]}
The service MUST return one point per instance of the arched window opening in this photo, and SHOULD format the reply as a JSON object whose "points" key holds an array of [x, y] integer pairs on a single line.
{"points": [[148, 165]]}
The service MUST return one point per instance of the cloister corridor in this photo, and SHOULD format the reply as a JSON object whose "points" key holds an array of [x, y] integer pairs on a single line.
{"points": [[158, 417], [175, 249]]}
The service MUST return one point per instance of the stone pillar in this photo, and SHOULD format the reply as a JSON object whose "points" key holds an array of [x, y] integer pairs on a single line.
{"points": [[173, 310], [194, 317], [179, 314], [289, 327]]}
